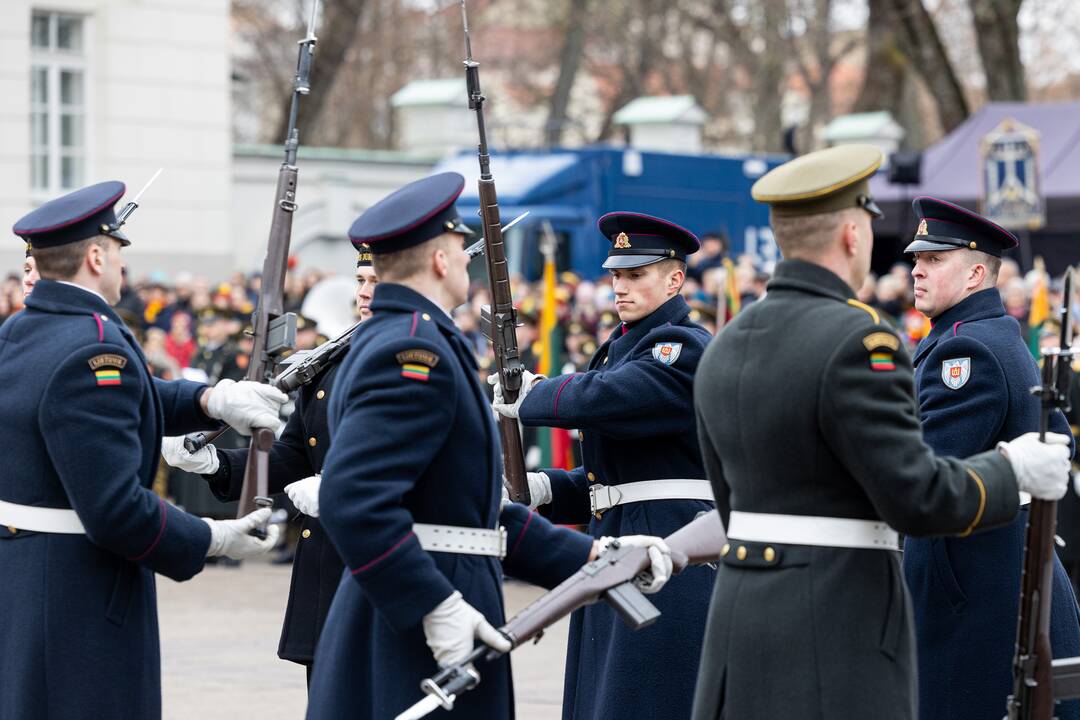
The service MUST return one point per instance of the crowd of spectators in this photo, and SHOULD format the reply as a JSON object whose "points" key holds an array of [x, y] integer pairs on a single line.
{"points": [[191, 327]]}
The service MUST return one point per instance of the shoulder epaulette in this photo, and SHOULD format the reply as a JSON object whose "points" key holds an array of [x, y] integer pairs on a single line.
{"points": [[869, 310]]}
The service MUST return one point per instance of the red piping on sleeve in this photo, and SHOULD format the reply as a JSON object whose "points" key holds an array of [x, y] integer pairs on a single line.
{"points": [[521, 535], [412, 330], [559, 392], [956, 326], [161, 530], [100, 328], [382, 557]]}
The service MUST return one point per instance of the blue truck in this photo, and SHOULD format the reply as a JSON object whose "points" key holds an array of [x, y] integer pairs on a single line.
{"points": [[570, 189]]}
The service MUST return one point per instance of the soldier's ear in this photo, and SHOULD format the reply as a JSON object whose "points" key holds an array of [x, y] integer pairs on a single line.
{"points": [[95, 257], [850, 233], [976, 275]]}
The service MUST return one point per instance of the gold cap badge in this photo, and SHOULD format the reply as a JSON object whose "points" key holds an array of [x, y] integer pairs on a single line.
{"points": [[922, 228], [622, 241]]}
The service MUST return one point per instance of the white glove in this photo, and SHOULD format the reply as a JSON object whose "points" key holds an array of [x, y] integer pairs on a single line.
{"points": [[539, 489], [203, 462], [528, 379], [1042, 469], [231, 539], [451, 628], [305, 495], [245, 405], [651, 580]]}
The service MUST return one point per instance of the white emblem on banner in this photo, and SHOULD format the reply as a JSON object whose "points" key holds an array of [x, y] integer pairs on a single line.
{"points": [[956, 373], [667, 353]]}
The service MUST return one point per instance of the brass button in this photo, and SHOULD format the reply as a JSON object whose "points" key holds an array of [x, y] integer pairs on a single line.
{"points": [[769, 554], [306, 534], [592, 478], [320, 395], [741, 552], [725, 550], [312, 442], [12, 529], [426, 316]]}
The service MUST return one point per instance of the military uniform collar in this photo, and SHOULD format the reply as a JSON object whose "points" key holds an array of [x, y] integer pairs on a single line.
{"points": [[982, 305], [393, 296], [60, 297], [810, 277], [672, 311]]}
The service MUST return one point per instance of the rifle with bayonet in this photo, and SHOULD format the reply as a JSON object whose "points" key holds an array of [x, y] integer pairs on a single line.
{"points": [[1032, 696], [306, 368], [609, 578], [499, 320], [274, 330]]}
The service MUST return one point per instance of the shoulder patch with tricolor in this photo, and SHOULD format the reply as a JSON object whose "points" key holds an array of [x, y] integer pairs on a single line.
{"points": [[881, 345], [416, 364], [107, 367], [667, 353], [956, 372]]}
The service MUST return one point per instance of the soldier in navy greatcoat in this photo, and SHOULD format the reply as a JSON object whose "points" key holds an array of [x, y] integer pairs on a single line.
{"points": [[973, 376], [414, 460], [296, 461], [811, 439], [81, 533], [641, 472]]}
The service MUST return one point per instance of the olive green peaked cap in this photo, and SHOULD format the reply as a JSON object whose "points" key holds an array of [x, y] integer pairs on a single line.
{"points": [[823, 181]]}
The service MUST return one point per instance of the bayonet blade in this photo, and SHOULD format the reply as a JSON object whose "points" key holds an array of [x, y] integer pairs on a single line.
{"points": [[148, 184], [421, 709], [311, 22], [465, 24]]}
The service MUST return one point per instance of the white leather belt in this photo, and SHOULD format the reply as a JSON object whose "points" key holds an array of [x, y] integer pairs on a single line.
{"points": [[812, 530], [39, 519], [461, 540], [605, 497]]}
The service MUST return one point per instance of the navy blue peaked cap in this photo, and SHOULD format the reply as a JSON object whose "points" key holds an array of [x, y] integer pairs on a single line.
{"points": [[418, 212], [944, 226], [76, 216], [638, 240]]}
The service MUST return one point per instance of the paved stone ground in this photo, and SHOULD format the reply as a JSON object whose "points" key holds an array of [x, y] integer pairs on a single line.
{"points": [[219, 661]]}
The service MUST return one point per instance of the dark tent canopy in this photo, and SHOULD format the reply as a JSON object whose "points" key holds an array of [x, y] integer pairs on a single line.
{"points": [[952, 170]]}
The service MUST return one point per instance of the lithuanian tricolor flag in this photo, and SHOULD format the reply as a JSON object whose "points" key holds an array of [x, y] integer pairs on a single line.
{"points": [[414, 371], [107, 376]]}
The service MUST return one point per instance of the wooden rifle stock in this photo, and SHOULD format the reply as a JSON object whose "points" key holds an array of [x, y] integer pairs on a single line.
{"points": [[274, 330], [500, 320], [1033, 692], [609, 577]]}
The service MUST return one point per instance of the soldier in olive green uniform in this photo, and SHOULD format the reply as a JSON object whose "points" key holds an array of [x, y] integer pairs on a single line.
{"points": [[811, 440]]}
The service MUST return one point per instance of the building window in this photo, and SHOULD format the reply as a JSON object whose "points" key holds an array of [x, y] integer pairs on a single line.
{"points": [[57, 102]]}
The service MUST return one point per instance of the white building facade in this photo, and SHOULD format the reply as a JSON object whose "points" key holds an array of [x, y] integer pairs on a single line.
{"points": [[114, 89]]}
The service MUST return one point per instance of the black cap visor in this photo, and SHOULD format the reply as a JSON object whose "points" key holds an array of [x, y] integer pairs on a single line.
{"points": [[622, 262], [124, 242], [867, 203], [457, 226], [927, 243]]}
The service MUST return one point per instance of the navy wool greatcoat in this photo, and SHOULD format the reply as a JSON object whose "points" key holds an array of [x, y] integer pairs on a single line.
{"points": [[973, 378], [83, 421], [636, 415], [297, 454], [414, 445]]}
